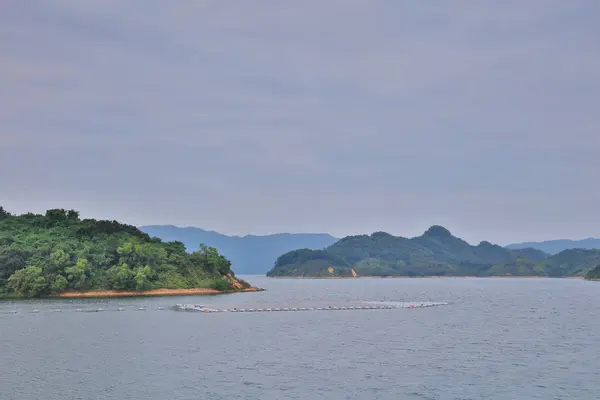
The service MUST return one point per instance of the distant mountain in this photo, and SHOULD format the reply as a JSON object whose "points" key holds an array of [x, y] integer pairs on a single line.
{"points": [[435, 253], [248, 254], [556, 246]]}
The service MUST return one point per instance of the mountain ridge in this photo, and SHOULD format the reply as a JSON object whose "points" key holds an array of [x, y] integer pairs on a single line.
{"points": [[249, 254], [256, 254], [555, 246], [248, 235], [435, 253]]}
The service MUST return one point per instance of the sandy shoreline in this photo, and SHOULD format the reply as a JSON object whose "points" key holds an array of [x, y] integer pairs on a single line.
{"points": [[153, 292]]}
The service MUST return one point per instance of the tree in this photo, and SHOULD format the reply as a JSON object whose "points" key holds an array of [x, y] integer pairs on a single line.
{"points": [[59, 260], [28, 282], [210, 257], [59, 284], [120, 277], [95, 255], [56, 214], [223, 284], [77, 274], [4, 213], [142, 254], [142, 277], [10, 261], [73, 215]]}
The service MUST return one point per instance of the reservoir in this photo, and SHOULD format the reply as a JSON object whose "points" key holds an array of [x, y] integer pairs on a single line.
{"points": [[495, 338]]}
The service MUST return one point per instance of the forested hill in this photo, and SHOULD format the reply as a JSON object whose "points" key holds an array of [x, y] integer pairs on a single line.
{"points": [[594, 274], [250, 254], [436, 253], [58, 251]]}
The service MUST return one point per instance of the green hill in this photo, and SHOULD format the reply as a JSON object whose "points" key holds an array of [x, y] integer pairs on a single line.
{"points": [[435, 253], [58, 251], [594, 274]]}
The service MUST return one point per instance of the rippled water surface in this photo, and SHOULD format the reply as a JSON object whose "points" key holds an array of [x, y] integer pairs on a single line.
{"points": [[497, 339]]}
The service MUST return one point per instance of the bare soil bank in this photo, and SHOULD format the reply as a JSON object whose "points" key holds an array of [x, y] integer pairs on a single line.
{"points": [[153, 292]]}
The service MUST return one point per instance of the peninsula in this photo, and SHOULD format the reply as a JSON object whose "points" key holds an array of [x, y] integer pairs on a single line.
{"points": [[435, 253], [60, 255]]}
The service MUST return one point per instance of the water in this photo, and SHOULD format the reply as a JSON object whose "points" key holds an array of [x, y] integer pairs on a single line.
{"points": [[497, 339]]}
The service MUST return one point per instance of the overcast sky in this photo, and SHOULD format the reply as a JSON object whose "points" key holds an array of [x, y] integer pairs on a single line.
{"points": [[336, 116]]}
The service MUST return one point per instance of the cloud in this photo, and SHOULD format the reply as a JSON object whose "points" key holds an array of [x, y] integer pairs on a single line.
{"points": [[339, 116]]}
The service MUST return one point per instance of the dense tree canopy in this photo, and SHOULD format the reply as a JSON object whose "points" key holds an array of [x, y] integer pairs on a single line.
{"points": [[436, 253], [44, 254]]}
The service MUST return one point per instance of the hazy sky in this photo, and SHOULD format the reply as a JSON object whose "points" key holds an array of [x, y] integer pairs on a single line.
{"points": [[334, 116]]}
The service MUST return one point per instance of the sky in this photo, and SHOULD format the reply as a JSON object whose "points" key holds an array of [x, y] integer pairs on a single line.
{"points": [[338, 116]]}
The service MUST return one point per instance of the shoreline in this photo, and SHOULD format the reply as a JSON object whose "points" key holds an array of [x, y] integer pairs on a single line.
{"points": [[148, 293], [426, 277]]}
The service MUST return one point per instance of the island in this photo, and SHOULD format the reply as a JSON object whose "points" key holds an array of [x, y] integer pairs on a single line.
{"points": [[436, 253], [594, 274], [58, 254]]}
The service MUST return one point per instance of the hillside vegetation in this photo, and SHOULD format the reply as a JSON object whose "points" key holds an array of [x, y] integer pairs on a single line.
{"points": [[594, 274], [58, 251], [436, 253], [249, 254]]}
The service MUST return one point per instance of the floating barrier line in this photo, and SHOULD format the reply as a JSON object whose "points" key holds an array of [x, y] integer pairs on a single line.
{"points": [[366, 305], [201, 308]]}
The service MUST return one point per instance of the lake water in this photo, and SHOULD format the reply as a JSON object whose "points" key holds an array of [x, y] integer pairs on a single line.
{"points": [[497, 339]]}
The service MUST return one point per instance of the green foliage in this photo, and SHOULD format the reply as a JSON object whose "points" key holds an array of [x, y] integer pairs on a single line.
{"points": [[209, 256], [60, 259], [142, 278], [4, 213], [222, 284], [306, 262], [120, 277], [572, 262], [593, 274], [57, 251], [436, 253], [78, 274], [11, 260], [59, 284], [28, 282]]}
